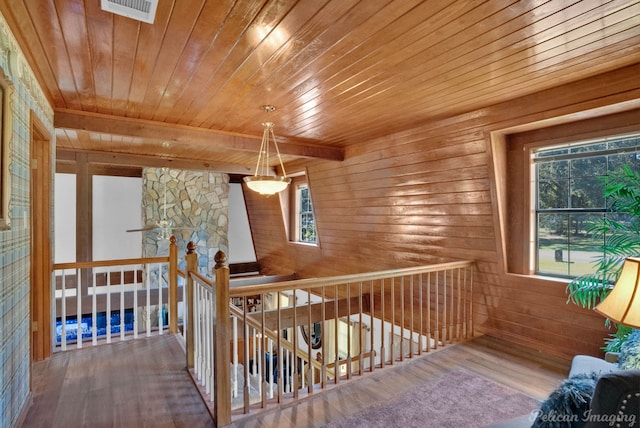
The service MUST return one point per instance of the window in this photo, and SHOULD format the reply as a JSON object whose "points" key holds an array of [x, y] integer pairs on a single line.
{"points": [[569, 196], [305, 227]]}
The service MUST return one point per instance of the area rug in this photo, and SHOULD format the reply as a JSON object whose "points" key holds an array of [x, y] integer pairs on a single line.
{"points": [[458, 399]]}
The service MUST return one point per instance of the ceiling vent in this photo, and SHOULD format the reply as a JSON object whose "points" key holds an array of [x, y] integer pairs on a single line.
{"points": [[140, 10]]}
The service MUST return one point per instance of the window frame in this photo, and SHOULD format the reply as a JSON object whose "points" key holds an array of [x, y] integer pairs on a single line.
{"points": [[515, 178], [575, 179], [293, 212]]}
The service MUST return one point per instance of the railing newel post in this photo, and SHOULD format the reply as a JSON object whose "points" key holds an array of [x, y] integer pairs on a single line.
{"points": [[192, 266], [222, 338], [173, 286]]}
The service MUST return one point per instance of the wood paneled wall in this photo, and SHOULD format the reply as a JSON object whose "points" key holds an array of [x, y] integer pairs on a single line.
{"points": [[435, 194]]}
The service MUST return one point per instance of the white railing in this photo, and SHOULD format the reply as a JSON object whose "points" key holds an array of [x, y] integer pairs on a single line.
{"points": [[101, 301], [267, 344], [203, 329]]}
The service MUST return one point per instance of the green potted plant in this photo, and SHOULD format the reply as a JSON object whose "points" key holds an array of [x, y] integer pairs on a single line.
{"points": [[620, 235]]}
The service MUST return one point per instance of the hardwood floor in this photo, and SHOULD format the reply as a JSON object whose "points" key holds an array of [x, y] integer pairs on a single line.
{"points": [[135, 383], [144, 383]]}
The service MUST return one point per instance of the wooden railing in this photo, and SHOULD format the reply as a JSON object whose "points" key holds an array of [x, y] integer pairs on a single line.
{"points": [[253, 346], [100, 301], [272, 343]]}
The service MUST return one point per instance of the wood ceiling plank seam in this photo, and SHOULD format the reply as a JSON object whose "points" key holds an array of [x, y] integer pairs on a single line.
{"points": [[100, 41], [461, 68], [180, 27], [28, 42], [451, 43], [123, 62], [227, 36], [76, 41], [259, 57], [149, 43], [206, 30], [555, 65], [246, 43], [380, 56], [308, 54], [492, 96], [252, 88], [384, 32], [515, 62], [414, 46], [359, 32], [46, 16]]}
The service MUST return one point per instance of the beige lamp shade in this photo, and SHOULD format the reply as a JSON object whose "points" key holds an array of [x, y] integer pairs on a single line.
{"points": [[622, 305]]}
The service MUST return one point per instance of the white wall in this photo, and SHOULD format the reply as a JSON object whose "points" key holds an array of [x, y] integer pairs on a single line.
{"points": [[117, 203], [116, 208], [65, 218], [240, 243]]}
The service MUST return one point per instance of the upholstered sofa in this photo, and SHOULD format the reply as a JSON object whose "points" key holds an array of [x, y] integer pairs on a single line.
{"points": [[616, 400]]}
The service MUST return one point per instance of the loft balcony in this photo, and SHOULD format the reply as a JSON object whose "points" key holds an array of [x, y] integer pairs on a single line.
{"points": [[182, 349], [145, 382]]}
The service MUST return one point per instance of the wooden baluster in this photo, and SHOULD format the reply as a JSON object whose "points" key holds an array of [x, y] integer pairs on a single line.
{"points": [[349, 333], [420, 315], [372, 360], [189, 324], [458, 310], [336, 317], [470, 332], [402, 313], [392, 355], [411, 326], [360, 357], [222, 318], [382, 338], [173, 286], [436, 332], [262, 367], [428, 311]]}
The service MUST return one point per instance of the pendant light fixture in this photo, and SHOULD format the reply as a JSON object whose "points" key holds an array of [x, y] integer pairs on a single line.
{"points": [[261, 181]]}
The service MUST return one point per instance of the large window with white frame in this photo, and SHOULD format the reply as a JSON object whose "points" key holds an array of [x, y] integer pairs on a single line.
{"points": [[568, 195]]}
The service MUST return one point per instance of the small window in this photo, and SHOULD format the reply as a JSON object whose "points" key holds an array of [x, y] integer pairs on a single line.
{"points": [[305, 227], [569, 196]]}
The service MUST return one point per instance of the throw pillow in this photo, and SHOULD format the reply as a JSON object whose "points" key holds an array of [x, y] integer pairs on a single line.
{"points": [[629, 358], [566, 406]]}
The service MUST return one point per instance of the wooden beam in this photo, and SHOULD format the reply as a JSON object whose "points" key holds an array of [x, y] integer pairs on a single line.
{"points": [[125, 159], [98, 122]]}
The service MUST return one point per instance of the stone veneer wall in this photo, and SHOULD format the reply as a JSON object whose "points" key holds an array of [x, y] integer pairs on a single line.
{"points": [[197, 200], [15, 250]]}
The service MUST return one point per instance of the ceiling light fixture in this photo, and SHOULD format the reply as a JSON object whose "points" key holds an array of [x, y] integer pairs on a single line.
{"points": [[261, 181]]}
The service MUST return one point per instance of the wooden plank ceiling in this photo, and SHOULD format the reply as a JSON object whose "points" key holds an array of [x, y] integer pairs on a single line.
{"points": [[340, 72]]}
